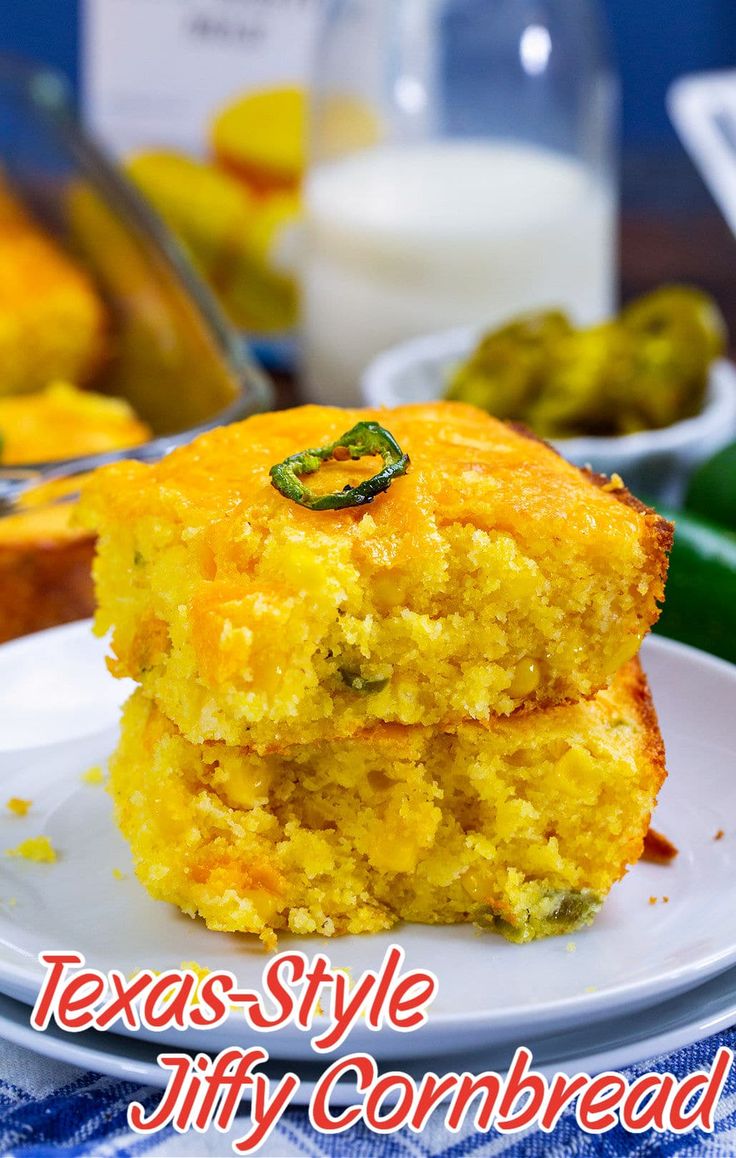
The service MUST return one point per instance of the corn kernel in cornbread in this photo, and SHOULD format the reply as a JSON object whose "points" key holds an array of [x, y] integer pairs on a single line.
{"points": [[520, 825], [492, 575]]}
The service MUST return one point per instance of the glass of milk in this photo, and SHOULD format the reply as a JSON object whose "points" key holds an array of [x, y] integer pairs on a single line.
{"points": [[462, 170]]}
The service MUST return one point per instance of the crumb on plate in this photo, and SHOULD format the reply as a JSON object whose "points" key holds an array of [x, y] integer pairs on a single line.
{"points": [[93, 775], [18, 806], [38, 848], [201, 971], [658, 849]]}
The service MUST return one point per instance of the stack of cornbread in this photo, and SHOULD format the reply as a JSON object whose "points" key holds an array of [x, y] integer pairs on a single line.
{"points": [[425, 707]]}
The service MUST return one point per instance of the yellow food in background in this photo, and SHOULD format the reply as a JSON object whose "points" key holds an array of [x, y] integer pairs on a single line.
{"points": [[52, 321], [166, 362], [45, 564], [520, 826], [45, 560], [344, 123], [258, 288], [643, 370], [45, 569], [237, 214], [261, 137], [207, 209], [239, 242], [64, 422]]}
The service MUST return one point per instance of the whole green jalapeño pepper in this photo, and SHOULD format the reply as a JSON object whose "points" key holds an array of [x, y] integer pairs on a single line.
{"points": [[700, 598], [365, 439], [712, 490]]}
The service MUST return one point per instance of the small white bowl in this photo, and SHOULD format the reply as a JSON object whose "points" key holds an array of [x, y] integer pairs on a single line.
{"points": [[656, 462]]}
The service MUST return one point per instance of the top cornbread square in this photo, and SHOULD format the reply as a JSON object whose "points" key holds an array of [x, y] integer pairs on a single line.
{"points": [[492, 576]]}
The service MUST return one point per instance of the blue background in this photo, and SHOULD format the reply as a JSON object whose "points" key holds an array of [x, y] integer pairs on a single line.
{"points": [[655, 41]]}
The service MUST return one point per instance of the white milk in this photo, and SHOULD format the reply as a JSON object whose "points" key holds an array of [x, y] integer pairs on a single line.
{"points": [[403, 241]]}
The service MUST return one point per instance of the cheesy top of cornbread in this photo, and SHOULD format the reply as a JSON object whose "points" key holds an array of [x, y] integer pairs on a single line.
{"points": [[466, 467], [492, 574], [63, 421]]}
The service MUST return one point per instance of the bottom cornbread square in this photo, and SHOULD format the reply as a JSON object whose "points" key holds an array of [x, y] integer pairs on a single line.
{"points": [[520, 825]]}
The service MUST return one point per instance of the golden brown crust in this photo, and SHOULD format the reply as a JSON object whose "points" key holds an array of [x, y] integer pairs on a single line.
{"points": [[44, 584], [659, 533], [630, 684], [654, 750], [658, 849], [622, 493], [36, 427], [666, 529], [652, 753]]}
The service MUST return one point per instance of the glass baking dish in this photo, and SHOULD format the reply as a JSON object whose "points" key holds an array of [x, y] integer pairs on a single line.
{"points": [[174, 357]]}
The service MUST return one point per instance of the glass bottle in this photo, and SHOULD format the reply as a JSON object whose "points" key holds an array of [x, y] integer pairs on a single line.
{"points": [[462, 169]]}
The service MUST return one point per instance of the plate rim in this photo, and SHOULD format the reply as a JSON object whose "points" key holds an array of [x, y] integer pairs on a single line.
{"points": [[694, 1022]]}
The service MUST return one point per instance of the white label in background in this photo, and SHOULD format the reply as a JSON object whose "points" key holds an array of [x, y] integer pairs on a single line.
{"points": [[155, 71]]}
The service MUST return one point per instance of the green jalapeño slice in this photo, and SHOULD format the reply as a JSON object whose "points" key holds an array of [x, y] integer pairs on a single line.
{"points": [[365, 439]]}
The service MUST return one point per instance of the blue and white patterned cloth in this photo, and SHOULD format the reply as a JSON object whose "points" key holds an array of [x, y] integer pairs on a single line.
{"points": [[48, 1108]]}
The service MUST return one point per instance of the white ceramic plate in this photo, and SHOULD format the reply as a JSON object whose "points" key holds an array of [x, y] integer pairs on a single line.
{"points": [[605, 1045], [491, 992], [55, 688]]}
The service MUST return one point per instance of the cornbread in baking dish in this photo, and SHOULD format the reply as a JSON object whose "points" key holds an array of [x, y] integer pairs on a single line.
{"points": [[520, 825], [493, 575], [45, 571], [53, 323], [65, 422], [45, 561]]}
